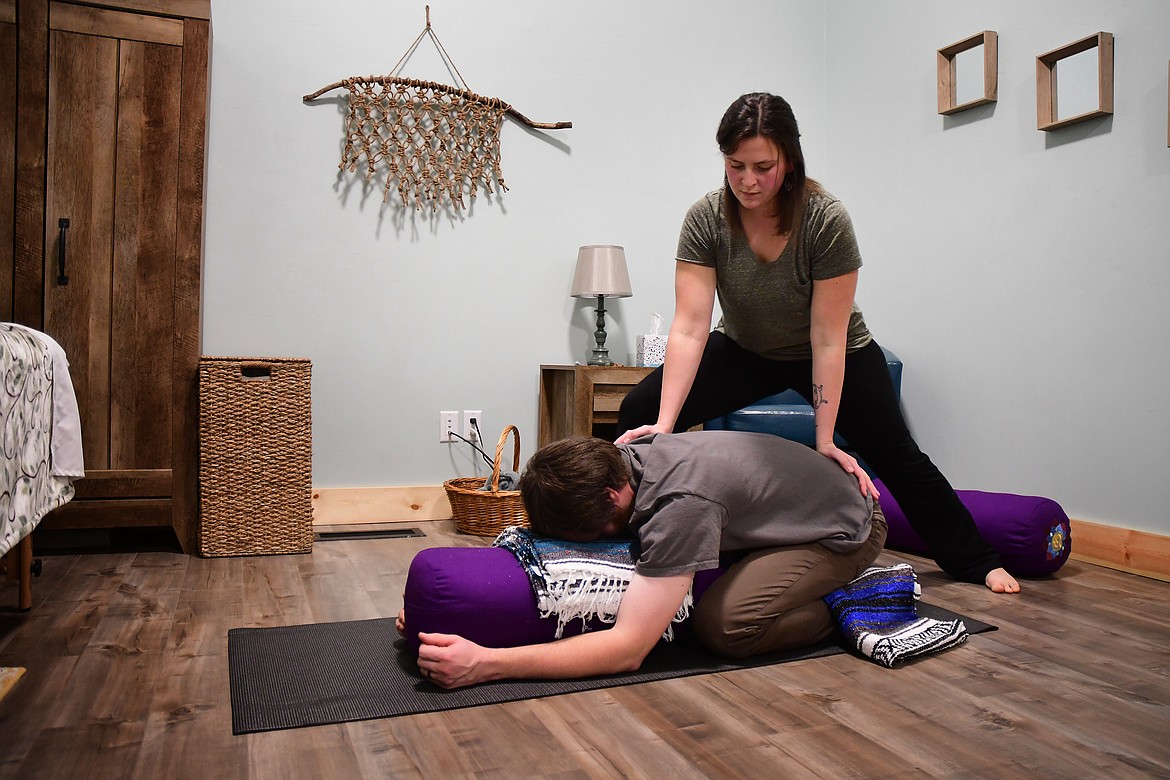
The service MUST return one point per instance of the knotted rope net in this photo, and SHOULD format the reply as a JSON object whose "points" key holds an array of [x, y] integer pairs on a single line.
{"points": [[434, 139]]}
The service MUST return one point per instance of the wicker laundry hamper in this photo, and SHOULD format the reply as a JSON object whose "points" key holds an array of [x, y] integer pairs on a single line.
{"points": [[487, 512], [255, 456]]}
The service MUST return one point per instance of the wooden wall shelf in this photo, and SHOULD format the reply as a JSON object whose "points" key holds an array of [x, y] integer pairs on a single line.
{"points": [[1047, 116], [948, 79]]}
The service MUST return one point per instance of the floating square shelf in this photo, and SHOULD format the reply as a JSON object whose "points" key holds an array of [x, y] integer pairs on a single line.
{"points": [[948, 80], [1046, 109]]}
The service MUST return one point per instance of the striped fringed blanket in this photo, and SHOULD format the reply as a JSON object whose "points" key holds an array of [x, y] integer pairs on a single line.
{"points": [[578, 580], [876, 612]]}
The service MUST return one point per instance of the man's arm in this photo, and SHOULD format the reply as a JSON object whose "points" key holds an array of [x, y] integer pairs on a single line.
{"points": [[648, 606]]}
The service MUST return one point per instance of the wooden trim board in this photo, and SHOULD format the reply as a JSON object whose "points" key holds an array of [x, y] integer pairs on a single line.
{"points": [[192, 9], [115, 24], [1135, 552], [363, 505]]}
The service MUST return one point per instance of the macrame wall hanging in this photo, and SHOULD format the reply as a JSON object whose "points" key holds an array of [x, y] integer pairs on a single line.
{"points": [[434, 140]]}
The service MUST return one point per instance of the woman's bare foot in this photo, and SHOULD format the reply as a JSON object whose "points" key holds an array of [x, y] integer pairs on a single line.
{"points": [[999, 581]]}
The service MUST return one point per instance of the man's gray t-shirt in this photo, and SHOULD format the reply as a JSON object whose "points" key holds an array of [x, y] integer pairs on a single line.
{"points": [[767, 305], [701, 493]]}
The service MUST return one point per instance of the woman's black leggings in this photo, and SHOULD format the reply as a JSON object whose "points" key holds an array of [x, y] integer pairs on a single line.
{"points": [[868, 417]]}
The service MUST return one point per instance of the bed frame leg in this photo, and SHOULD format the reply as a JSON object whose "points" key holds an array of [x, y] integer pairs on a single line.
{"points": [[18, 565], [26, 564]]}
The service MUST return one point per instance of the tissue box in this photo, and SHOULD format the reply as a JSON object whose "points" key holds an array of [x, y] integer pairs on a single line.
{"points": [[651, 350]]}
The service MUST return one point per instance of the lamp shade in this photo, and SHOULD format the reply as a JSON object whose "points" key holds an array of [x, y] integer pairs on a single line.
{"points": [[601, 270]]}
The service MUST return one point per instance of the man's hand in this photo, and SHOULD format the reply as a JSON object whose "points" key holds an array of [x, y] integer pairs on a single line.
{"points": [[851, 466], [451, 661], [444, 659], [647, 608]]}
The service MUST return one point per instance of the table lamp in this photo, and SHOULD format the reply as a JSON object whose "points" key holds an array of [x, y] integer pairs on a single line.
{"points": [[601, 273]]}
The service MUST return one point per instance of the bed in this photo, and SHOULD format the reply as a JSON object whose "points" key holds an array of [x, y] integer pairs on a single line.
{"points": [[40, 443]]}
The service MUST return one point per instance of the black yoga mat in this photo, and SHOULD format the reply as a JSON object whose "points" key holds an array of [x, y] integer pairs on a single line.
{"points": [[319, 673]]}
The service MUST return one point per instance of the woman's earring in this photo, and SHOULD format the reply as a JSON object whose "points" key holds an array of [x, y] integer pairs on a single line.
{"points": [[789, 182]]}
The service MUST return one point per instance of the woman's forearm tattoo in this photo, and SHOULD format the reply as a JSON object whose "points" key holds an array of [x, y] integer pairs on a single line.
{"points": [[818, 397]]}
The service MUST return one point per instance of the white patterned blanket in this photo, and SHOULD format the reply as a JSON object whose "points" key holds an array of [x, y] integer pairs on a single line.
{"points": [[30, 485], [578, 580]]}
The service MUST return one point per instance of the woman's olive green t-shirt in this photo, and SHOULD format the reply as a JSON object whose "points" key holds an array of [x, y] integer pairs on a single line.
{"points": [[767, 305]]}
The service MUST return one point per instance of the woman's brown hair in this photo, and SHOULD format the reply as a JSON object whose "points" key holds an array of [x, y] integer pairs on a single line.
{"points": [[768, 116]]}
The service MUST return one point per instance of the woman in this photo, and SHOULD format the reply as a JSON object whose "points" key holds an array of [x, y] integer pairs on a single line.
{"points": [[781, 254]]}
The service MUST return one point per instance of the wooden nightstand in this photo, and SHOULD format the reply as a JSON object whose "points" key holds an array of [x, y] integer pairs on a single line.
{"points": [[583, 400]]}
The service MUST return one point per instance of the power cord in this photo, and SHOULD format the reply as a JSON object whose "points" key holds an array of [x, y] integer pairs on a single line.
{"points": [[486, 459]]}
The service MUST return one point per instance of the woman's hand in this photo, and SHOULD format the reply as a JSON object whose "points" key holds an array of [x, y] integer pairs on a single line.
{"points": [[851, 466], [639, 432]]}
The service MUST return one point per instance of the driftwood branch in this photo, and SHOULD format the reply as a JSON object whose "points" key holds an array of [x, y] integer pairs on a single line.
{"points": [[538, 125], [443, 87]]}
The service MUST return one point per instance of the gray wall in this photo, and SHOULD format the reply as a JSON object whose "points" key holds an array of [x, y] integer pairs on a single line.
{"points": [[1014, 271], [1021, 275]]}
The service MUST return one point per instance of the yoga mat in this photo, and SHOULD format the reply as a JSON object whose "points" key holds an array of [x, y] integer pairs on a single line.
{"points": [[319, 673]]}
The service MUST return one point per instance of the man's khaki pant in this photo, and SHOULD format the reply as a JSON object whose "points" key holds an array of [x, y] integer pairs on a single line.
{"points": [[774, 599]]}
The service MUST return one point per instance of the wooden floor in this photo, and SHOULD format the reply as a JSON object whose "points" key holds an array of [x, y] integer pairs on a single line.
{"points": [[127, 677]]}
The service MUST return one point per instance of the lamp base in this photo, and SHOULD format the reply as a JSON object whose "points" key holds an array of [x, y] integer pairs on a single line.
{"points": [[600, 353]]}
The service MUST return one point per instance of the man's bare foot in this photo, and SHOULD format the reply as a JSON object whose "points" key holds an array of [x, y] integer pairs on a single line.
{"points": [[999, 581]]}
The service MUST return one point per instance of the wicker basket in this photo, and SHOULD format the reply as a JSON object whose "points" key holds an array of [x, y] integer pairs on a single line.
{"points": [[255, 456], [487, 512]]}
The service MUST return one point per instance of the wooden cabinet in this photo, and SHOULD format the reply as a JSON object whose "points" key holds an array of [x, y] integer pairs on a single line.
{"points": [[7, 152], [107, 237], [583, 400]]}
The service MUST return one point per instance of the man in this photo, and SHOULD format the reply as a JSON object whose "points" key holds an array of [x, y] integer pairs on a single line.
{"points": [[800, 521]]}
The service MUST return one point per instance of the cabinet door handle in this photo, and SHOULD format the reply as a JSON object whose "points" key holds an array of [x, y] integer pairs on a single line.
{"points": [[62, 228]]}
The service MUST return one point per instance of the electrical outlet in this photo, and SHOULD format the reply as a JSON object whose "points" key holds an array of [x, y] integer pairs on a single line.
{"points": [[448, 424], [469, 431]]}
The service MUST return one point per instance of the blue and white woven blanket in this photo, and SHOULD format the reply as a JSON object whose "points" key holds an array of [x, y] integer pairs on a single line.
{"points": [[578, 580], [877, 613]]}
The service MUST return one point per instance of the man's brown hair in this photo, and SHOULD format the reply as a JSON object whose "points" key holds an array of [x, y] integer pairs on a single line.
{"points": [[563, 486]]}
